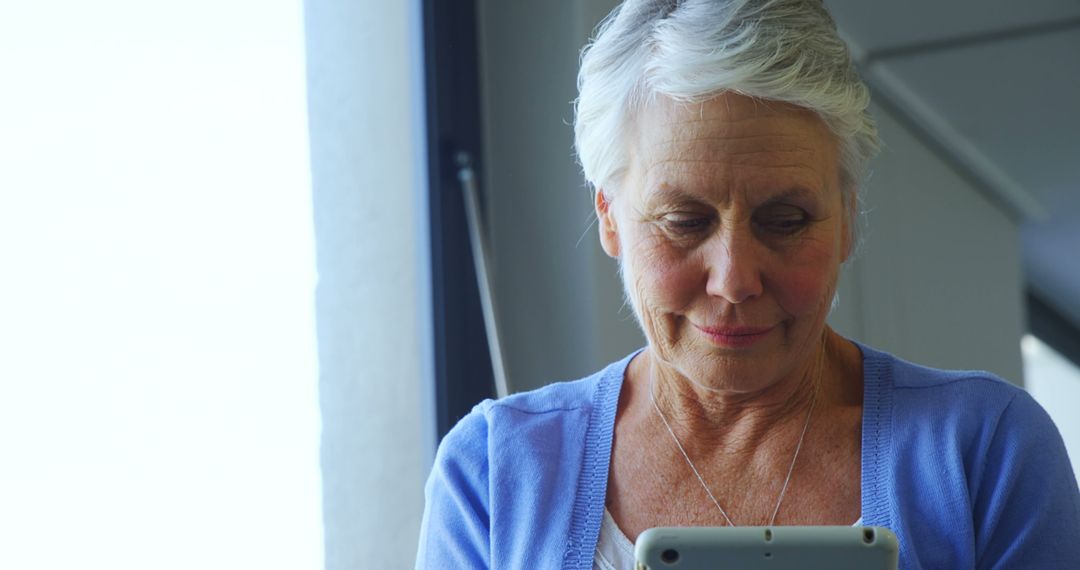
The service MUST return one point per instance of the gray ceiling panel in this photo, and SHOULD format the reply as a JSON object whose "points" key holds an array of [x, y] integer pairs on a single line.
{"points": [[1012, 98], [1017, 100], [878, 25]]}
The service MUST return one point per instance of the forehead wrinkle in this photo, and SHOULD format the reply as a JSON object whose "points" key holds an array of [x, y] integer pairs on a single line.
{"points": [[734, 145], [666, 194], [729, 119], [724, 169], [665, 186], [711, 150], [772, 144], [756, 157], [713, 190], [769, 125], [810, 166], [774, 131], [726, 131]]}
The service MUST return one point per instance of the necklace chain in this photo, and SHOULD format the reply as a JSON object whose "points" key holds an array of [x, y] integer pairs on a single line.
{"points": [[686, 456]]}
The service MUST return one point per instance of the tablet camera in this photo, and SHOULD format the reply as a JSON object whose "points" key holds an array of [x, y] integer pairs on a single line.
{"points": [[868, 535], [669, 556]]}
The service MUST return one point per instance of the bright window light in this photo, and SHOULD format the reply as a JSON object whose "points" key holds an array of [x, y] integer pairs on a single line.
{"points": [[158, 372], [1054, 381]]}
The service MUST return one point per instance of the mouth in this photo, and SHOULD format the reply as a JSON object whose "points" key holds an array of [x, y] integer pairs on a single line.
{"points": [[735, 337]]}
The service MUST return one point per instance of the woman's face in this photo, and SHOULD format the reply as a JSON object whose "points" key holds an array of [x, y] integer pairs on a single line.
{"points": [[730, 230]]}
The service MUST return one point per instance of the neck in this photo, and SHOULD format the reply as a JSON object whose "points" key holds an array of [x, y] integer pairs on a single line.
{"points": [[737, 422]]}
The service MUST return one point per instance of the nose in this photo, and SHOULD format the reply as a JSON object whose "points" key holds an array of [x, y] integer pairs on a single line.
{"points": [[733, 267]]}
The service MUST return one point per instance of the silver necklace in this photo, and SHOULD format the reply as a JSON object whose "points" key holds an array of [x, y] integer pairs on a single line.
{"points": [[791, 468]]}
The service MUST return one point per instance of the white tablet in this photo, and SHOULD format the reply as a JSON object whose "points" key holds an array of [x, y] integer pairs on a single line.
{"points": [[768, 548]]}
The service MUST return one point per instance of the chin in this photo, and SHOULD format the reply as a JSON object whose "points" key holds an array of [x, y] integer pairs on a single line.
{"points": [[725, 370]]}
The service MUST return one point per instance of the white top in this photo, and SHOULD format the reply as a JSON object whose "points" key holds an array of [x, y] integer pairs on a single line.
{"points": [[615, 552]]}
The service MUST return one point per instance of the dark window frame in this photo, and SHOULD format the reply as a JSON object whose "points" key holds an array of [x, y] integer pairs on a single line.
{"points": [[462, 363]]}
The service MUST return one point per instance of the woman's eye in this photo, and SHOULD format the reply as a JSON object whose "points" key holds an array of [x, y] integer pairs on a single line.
{"points": [[784, 223], [686, 223]]}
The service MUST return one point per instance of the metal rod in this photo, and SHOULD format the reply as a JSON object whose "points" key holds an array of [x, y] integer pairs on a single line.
{"points": [[467, 177]]}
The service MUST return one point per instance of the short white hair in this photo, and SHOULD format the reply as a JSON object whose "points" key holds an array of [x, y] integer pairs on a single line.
{"points": [[694, 50]]}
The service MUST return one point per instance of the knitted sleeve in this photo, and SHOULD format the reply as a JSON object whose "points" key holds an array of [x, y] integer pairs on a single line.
{"points": [[1027, 505], [455, 531]]}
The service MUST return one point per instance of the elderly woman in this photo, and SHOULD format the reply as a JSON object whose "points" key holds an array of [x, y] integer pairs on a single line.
{"points": [[725, 141]]}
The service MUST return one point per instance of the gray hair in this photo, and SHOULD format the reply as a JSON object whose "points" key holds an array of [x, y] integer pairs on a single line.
{"points": [[693, 50]]}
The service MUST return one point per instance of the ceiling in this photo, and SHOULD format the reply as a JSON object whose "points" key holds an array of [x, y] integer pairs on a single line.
{"points": [[994, 85]]}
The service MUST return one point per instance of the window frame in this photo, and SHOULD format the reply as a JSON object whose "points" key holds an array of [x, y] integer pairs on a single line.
{"points": [[462, 363]]}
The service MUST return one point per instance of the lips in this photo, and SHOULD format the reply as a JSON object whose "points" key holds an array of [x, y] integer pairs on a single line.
{"points": [[735, 337]]}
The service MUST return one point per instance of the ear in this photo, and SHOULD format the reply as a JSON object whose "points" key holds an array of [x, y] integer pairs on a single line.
{"points": [[609, 232]]}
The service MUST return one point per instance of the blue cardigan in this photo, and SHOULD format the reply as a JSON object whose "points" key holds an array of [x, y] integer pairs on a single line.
{"points": [[966, 469]]}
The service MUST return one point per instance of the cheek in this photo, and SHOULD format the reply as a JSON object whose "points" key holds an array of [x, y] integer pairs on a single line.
{"points": [[807, 288], [663, 279]]}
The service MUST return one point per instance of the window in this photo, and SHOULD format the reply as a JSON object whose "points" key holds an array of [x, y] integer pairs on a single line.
{"points": [[158, 377], [1054, 381]]}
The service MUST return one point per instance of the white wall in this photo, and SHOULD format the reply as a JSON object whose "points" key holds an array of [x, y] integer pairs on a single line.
{"points": [[939, 279], [368, 176], [158, 397], [1054, 382]]}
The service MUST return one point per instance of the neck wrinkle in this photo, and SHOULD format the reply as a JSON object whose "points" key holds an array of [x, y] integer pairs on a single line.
{"points": [[710, 421]]}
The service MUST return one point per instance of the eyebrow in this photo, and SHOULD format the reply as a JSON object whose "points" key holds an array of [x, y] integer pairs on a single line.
{"points": [[668, 195], [793, 192], [669, 192]]}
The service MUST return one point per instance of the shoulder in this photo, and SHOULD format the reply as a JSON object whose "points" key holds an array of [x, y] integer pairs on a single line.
{"points": [[552, 398], [533, 418], [966, 410], [525, 418], [909, 375], [969, 452], [566, 401], [961, 411], [938, 390], [512, 460]]}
